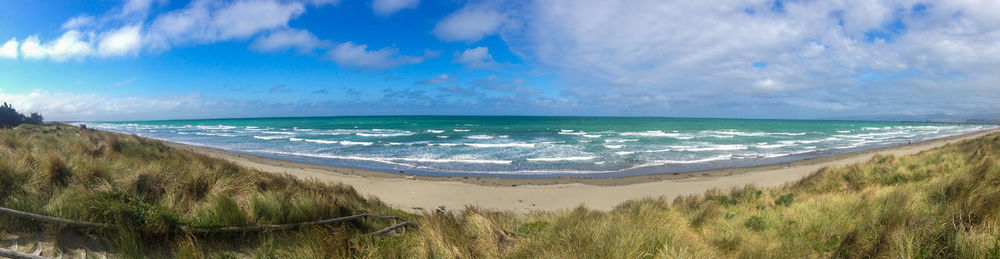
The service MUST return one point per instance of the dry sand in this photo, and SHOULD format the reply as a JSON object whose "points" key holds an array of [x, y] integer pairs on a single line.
{"points": [[525, 195]]}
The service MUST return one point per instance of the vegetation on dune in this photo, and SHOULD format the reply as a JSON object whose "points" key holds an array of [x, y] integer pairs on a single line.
{"points": [[939, 203], [148, 191], [10, 118]]}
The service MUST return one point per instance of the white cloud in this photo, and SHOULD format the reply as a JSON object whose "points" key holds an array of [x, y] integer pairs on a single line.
{"points": [[349, 54], [389, 7], [68, 46], [202, 22], [77, 22], [323, 2], [471, 23], [301, 40], [689, 50], [246, 18], [126, 82], [140, 7], [90, 106], [440, 79], [476, 58], [9, 49], [126, 40]]}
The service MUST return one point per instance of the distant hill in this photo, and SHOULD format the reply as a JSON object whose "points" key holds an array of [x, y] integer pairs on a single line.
{"points": [[937, 117]]}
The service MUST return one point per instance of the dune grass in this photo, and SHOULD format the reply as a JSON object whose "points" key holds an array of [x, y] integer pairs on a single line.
{"points": [[148, 191], [939, 203]]}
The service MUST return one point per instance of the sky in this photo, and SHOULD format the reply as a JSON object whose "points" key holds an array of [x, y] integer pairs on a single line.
{"points": [[175, 59]]}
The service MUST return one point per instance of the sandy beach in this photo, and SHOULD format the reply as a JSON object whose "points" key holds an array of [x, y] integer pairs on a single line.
{"points": [[525, 195]]}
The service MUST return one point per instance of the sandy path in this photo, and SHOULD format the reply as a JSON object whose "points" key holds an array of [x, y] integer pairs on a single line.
{"points": [[525, 195]]}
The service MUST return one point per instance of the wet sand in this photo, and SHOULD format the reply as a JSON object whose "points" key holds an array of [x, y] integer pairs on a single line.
{"points": [[524, 195]]}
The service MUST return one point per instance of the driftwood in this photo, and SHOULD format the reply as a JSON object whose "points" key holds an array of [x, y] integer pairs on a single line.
{"points": [[51, 220], [243, 229], [246, 229], [17, 255]]}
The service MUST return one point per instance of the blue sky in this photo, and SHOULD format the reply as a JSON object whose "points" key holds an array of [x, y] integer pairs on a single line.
{"points": [[160, 59]]}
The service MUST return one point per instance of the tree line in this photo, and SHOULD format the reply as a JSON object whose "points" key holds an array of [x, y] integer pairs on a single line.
{"points": [[9, 117]]}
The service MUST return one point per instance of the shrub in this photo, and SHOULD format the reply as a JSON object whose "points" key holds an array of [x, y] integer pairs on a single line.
{"points": [[785, 200], [9, 117]]}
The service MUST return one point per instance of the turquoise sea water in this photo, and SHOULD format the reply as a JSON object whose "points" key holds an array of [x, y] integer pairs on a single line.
{"points": [[536, 146]]}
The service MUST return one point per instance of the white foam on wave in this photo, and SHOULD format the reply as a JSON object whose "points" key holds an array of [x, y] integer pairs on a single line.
{"points": [[558, 159], [788, 134], [735, 133], [613, 146], [654, 133], [572, 133], [843, 131], [714, 148], [461, 130], [320, 141], [479, 137], [384, 135], [435, 131], [442, 136], [620, 140], [703, 160], [220, 127], [269, 137], [388, 160], [500, 145], [214, 134], [770, 146], [334, 142], [591, 136], [279, 132]]}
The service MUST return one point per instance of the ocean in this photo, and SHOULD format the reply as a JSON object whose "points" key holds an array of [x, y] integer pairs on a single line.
{"points": [[513, 146]]}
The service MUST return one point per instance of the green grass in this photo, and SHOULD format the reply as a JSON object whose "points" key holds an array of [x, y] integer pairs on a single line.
{"points": [[942, 203]]}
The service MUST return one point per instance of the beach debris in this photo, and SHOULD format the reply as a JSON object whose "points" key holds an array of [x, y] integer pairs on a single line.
{"points": [[439, 209], [410, 177]]}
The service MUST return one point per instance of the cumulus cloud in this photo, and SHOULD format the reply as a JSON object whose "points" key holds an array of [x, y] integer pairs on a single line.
{"points": [[9, 49], [78, 22], [476, 58], [301, 40], [207, 22], [349, 54], [471, 23], [203, 22], [389, 7], [70, 45], [135, 7], [126, 40]]}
